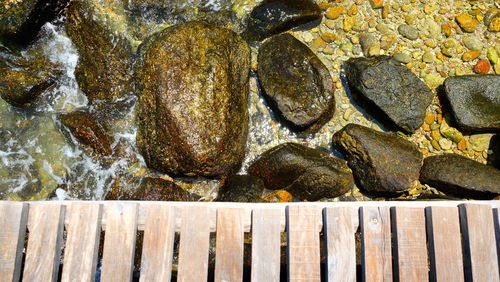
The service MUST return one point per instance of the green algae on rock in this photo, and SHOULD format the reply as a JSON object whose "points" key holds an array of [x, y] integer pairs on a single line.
{"points": [[474, 101], [104, 70], [389, 91], [241, 188], [308, 174], [461, 176], [192, 83], [88, 132], [25, 78], [381, 162], [275, 16], [297, 85], [21, 20]]}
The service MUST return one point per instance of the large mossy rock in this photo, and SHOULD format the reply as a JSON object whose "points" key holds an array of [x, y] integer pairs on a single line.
{"points": [[389, 91], [275, 16], [104, 70], [20, 21], [474, 101], [25, 77], [307, 173], [241, 188], [192, 83], [88, 132], [461, 176], [381, 162], [296, 84]]}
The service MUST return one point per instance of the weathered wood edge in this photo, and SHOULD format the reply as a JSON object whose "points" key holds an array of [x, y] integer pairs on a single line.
{"points": [[248, 207]]}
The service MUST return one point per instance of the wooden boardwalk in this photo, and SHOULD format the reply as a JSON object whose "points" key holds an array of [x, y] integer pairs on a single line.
{"points": [[400, 241]]}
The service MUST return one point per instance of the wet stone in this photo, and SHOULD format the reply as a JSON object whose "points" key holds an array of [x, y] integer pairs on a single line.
{"points": [[193, 118], [241, 188], [275, 16], [381, 162], [296, 84], [389, 91], [461, 176], [408, 31], [88, 132], [474, 101], [308, 174], [104, 70], [25, 78]]}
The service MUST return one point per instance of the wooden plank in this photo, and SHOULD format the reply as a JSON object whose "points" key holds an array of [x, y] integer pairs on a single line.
{"points": [[13, 220], [376, 244], [303, 243], [44, 243], [158, 245], [82, 243], [266, 245], [478, 231], [340, 226], [411, 262], [194, 243], [119, 241], [229, 245], [496, 218], [445, 244]]}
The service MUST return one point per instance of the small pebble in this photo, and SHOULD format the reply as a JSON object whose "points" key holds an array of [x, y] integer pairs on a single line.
{"points": [[376, 3], [429, 118], [473, 43], [402, 57], [492, 55], [435, 145], [482, 67], [471, 55], [335, 12], [445, 143], [348, 23], [467, 23], [436, 135], [446, 29], [408, 31], [428, 57]]}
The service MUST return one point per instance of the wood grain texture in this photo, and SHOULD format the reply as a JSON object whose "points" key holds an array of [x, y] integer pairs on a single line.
{"points": [[376, 244], [445, 244], [266, 245], [13, 220], [479, 244], [411, 261], [340, 224], [119, 241], [194, 243], [83, 232], [229, 245], [44, 243], [303, 243], [158, 245]]}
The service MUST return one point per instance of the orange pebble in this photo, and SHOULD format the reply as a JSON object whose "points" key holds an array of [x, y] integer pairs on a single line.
{"points": [[482, 67]]}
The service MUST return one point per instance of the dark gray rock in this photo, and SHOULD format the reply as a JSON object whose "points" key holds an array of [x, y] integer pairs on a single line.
{"points": [[389, 91], [275, 16], [460, 176], [474, 101], [241, 188], [381, 162], [192, 83], [296, 84], [495, 147], [307, 173]]}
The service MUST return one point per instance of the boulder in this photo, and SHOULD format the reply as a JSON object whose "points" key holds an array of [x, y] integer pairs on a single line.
{"points": [[296, 84], [25, 77], [104, 70], [241, 188], [88, 132], [192, 83], [474, 101], [389, 91], [381, 162], [20, 21], [308, 174], [460, 176], [275, 16]]}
